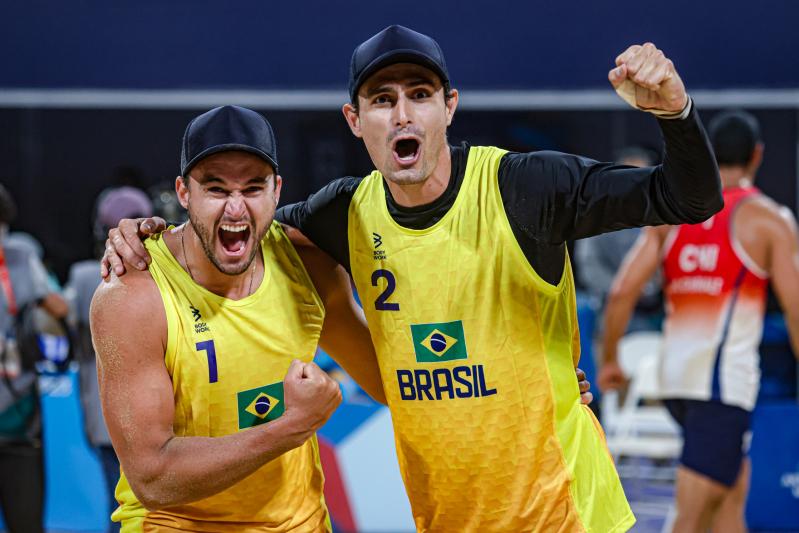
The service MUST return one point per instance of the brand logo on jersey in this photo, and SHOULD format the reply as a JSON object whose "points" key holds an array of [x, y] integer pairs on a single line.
{"points": [[379, 255], [703, 257], [260, 405], [443, 341], [199, 327]]}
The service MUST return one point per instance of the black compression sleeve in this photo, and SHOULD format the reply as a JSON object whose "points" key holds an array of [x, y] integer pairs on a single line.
{"points": [[323, 218], [555, 197]]}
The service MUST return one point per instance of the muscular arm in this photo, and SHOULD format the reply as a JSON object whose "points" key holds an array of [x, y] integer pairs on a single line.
{"points": [[555, 197], [345, 335], [639, 265], [138, 405], [783, 260]]}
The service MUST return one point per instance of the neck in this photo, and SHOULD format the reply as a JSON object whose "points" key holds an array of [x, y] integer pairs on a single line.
{"points": [[427, 191], [185, 245], [734, 177]]}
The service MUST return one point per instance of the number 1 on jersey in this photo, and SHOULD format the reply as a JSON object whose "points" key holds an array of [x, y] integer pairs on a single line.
{"points": [[210, 351], [391, 284]]}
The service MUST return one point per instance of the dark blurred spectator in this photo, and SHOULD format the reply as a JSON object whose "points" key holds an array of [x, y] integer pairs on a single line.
{"points": [[24, 289], [112, 206], [26, 240], [127, 176], [599, 258], [166, 204]]}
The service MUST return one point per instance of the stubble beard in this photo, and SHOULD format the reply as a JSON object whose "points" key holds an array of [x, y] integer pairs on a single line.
{"points": [[207, 241]]}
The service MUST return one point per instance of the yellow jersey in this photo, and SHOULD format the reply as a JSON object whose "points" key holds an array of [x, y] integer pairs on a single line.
{"points": [[477, 356], [227, 360]]}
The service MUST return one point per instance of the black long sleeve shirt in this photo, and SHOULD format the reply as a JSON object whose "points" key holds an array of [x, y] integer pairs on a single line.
{"points": [[549, 197]]}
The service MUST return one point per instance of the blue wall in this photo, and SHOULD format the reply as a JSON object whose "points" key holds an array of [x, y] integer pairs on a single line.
{"points": [[307, 43]]}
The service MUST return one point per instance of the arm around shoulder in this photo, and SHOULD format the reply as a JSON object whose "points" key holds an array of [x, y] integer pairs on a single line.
{"points": [[345, 335]]}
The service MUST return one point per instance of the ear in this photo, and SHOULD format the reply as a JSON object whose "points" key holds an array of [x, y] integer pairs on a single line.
{"points": [[278, 181], [182, 189], [755, 160], [452, 105], [353, 119]]}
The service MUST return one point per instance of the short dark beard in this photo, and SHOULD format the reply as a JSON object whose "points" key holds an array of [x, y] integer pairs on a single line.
{"points": [[207, 239]]}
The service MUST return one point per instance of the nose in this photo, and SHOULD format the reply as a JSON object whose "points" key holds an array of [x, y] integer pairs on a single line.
{"points": [[235, 207], [402, 111]]}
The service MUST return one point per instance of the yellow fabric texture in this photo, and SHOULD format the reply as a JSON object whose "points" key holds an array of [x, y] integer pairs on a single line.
{"points": [[252, 341], [477, 357]]}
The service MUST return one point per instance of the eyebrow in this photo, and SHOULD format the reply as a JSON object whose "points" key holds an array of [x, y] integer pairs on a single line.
{"points": [[210, 178], [413, 83]]}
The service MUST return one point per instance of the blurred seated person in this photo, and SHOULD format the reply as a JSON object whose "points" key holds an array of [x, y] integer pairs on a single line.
{"points": [[25, 288]]}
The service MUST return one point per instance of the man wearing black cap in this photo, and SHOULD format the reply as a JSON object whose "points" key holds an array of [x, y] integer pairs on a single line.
{"points": [[459, 256], [216, 338]]}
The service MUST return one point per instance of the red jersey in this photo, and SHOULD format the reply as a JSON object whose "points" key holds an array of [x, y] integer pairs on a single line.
{"points": [[715, 301]]}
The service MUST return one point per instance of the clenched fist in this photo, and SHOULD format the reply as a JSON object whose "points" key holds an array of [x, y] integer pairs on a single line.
{"points": [[647, 80], [311, 397]]}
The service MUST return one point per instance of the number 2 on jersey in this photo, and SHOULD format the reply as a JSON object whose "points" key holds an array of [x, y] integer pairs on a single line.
{"points": [[391, 284], [210, 351]]}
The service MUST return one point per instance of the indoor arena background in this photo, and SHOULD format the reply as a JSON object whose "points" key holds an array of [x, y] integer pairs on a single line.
{"points": [[95, 94]]}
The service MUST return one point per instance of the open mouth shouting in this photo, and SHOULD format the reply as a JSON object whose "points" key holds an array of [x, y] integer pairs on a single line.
{"points": [[234, 238], [406, 150]]}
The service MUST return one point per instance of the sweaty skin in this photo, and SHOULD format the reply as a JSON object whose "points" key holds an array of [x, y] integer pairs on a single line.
{"points": [[135, 387]]}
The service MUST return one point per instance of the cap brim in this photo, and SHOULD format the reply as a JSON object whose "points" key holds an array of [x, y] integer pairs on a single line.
{"points": [[227, 148], [397, 56]]}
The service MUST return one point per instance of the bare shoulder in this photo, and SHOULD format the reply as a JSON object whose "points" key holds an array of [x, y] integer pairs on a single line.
{"points": [[128, 307], [768, 216], [134, 290]]}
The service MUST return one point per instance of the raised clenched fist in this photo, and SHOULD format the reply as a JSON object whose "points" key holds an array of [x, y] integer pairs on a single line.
{"points": [[311, 396], [646, 79]]}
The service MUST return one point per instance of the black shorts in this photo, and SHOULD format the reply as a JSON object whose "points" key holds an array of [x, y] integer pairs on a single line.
{"points": [[715, 437]]}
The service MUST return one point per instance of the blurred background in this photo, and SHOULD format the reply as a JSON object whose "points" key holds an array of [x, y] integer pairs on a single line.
{"points": [[96, 95]]}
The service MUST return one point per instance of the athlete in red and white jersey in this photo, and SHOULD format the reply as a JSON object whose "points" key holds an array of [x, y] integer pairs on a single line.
{"points": [[715, 283], [715, 298]]}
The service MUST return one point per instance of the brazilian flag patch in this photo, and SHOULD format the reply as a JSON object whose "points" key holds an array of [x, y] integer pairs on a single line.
{"points": [[434, 343], [260, 405]]}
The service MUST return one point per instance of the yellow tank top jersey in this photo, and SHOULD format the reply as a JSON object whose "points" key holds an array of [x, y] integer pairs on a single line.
{"points": [[477, 356], [227, 360]]}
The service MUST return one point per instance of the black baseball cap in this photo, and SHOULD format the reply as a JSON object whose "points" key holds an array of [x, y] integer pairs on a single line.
{"points": [[227, 128], [395, 44]]}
